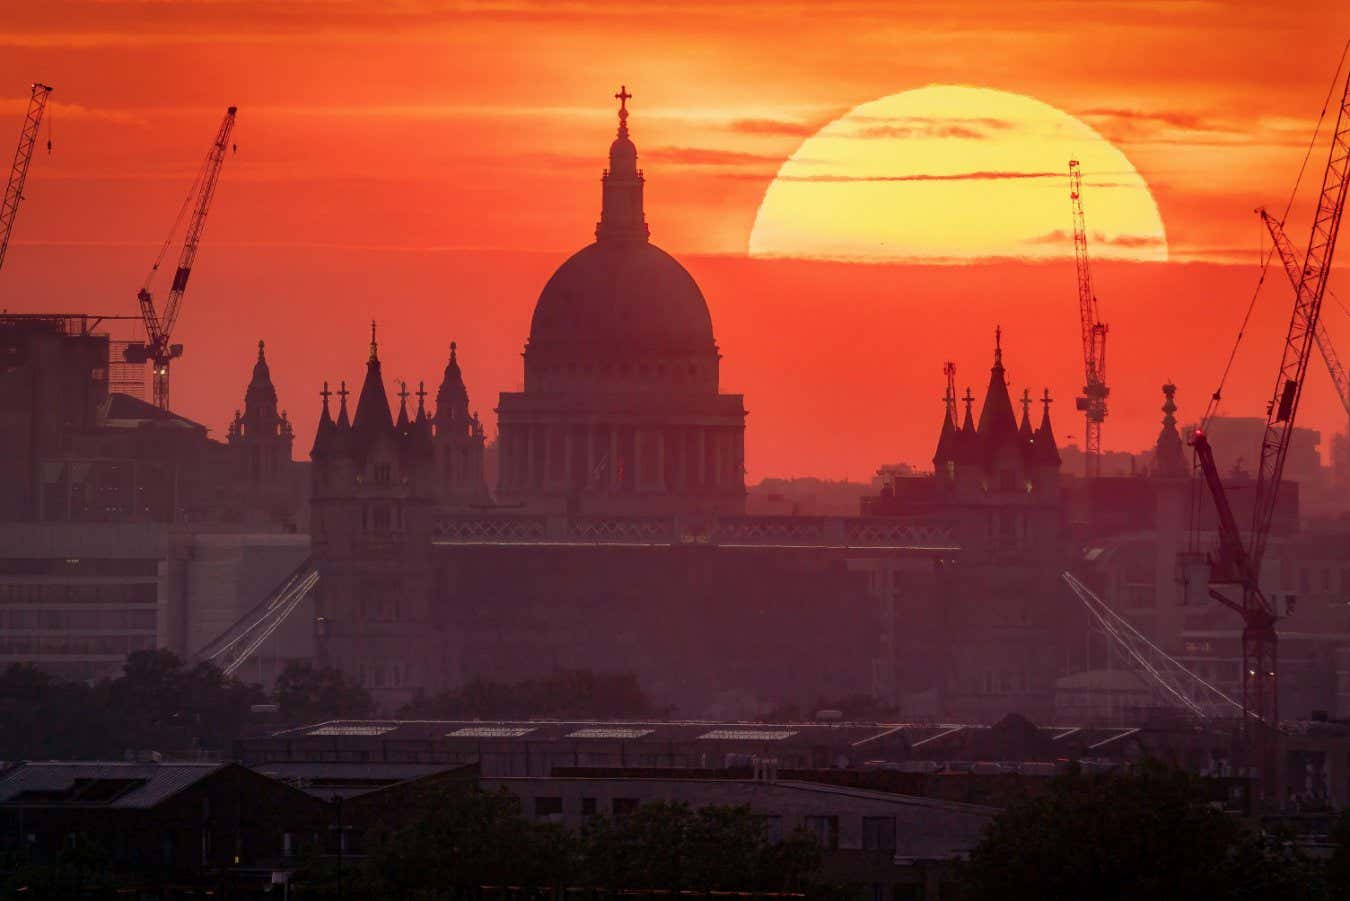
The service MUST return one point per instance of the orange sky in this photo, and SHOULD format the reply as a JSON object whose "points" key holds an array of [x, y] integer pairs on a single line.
{"points": [[430, 163]]}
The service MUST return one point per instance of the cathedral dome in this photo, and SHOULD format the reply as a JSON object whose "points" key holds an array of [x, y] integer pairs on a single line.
{"points": [[625, 294]]}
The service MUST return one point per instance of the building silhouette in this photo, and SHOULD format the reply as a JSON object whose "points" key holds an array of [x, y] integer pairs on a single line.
{"points": [[621, 410]]}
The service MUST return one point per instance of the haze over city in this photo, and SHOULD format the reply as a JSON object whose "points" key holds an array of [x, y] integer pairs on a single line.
{"points": [[499, 450]]}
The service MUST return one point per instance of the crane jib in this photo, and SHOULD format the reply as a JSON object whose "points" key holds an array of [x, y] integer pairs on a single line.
{"points": [[180, 279]]}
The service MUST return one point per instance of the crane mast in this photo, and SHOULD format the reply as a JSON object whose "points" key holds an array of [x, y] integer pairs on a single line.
{"points": [[949, 370], [18, 173], [159, 328], [1093, 399], [1291, 267], [1239, 565]]}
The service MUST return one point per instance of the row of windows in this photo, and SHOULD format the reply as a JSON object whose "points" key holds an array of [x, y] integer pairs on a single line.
{"points": [[41, 645], [78, 566], [75, 620], [67, 593]]}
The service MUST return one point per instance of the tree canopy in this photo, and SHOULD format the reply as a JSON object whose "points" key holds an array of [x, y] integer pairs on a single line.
{"points": [[159, 702], [462, 839], [306, 693], [1149, 832]]}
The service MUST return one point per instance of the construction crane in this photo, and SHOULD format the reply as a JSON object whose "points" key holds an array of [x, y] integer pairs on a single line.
{"points": [[1291, 267], [1238, 565], [18, 173], [1093, 399], [157, 348]]}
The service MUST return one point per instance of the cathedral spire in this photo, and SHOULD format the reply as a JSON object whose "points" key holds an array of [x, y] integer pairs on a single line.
{"points": [[621, 213], [1025, 432]]}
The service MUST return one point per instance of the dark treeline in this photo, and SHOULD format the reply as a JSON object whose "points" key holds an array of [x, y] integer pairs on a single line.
{"points": [[470, 839], [161, 703], [1149, 832], [563, 694], [157, 703]]}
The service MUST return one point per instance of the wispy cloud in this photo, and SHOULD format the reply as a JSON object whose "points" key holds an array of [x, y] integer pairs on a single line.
{"points": [[924, 176], [706, 156], [1061, 237], [772, 127], [905, 127]]}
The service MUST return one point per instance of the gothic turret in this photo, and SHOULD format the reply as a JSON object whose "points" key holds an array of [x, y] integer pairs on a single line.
{"points": [[1047, 451], [458, 441], [998, 423], [261, 441], [323, 435], [948, 448], [1024, 431], [373, 419]]}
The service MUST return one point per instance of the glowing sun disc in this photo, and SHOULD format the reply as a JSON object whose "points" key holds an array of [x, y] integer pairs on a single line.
{"points": [[954, 173]]}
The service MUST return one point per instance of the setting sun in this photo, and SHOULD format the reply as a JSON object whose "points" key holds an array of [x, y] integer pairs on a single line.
{"points": [[948, 173]]}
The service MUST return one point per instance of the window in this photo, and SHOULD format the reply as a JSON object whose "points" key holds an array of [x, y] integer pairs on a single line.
{"points": [[383, 471], [381, 519], [588, 808], [547, 807], [1007, 480], [878, 833], [622, 807], [825, 829]]}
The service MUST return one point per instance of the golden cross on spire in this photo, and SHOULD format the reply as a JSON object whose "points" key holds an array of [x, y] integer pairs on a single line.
{"points": [[343, 392], [1045, 399], [969, 399], [421, 394], [403, 393], [325, 393], [1026, 402], [623, 97]]}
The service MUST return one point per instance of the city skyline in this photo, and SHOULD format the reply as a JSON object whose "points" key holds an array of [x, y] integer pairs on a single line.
{"points": [[399, 181]]}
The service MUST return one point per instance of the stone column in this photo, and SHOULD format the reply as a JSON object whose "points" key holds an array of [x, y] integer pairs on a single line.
{"points": [[568, 478], [590, 454], [660, 436], [681, 449], [702, 465], [547, 475], [738, 458], [636, 461], [529, 456]]}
